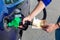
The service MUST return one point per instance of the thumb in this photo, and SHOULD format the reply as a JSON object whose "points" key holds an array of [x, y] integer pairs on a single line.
{"points": [[24, 20]]}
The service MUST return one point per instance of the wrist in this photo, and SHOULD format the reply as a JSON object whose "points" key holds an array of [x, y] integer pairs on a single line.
{"points": [[58, 25], [31, 17]]}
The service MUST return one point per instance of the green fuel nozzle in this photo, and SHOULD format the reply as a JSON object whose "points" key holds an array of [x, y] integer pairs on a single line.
{"points": [[15, 22]]}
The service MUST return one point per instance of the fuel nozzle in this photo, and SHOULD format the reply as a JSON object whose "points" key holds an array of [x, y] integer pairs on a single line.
{"points": [[17, 19], [14, 19], [15, 22], [25, 26]]}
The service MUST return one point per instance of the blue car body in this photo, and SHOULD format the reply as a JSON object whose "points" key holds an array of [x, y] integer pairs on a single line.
{"points": [[6, 9]]}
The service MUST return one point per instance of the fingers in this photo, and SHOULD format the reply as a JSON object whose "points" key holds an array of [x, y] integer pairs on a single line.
{"points": [[24, 20], [45, 27], [21, 26], [49, 28]]}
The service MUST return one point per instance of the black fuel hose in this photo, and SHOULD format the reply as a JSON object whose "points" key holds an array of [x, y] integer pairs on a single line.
{"points": [[44, 14]]}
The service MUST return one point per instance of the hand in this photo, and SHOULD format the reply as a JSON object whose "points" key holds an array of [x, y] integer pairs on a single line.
{"points": [[26, 19], [51, 27]]}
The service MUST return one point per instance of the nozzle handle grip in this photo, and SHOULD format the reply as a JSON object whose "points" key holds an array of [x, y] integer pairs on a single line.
{"points": [[25, 26]]}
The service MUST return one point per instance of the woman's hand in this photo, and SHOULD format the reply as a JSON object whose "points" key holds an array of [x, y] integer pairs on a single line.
{"points": [[28, 18]]}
